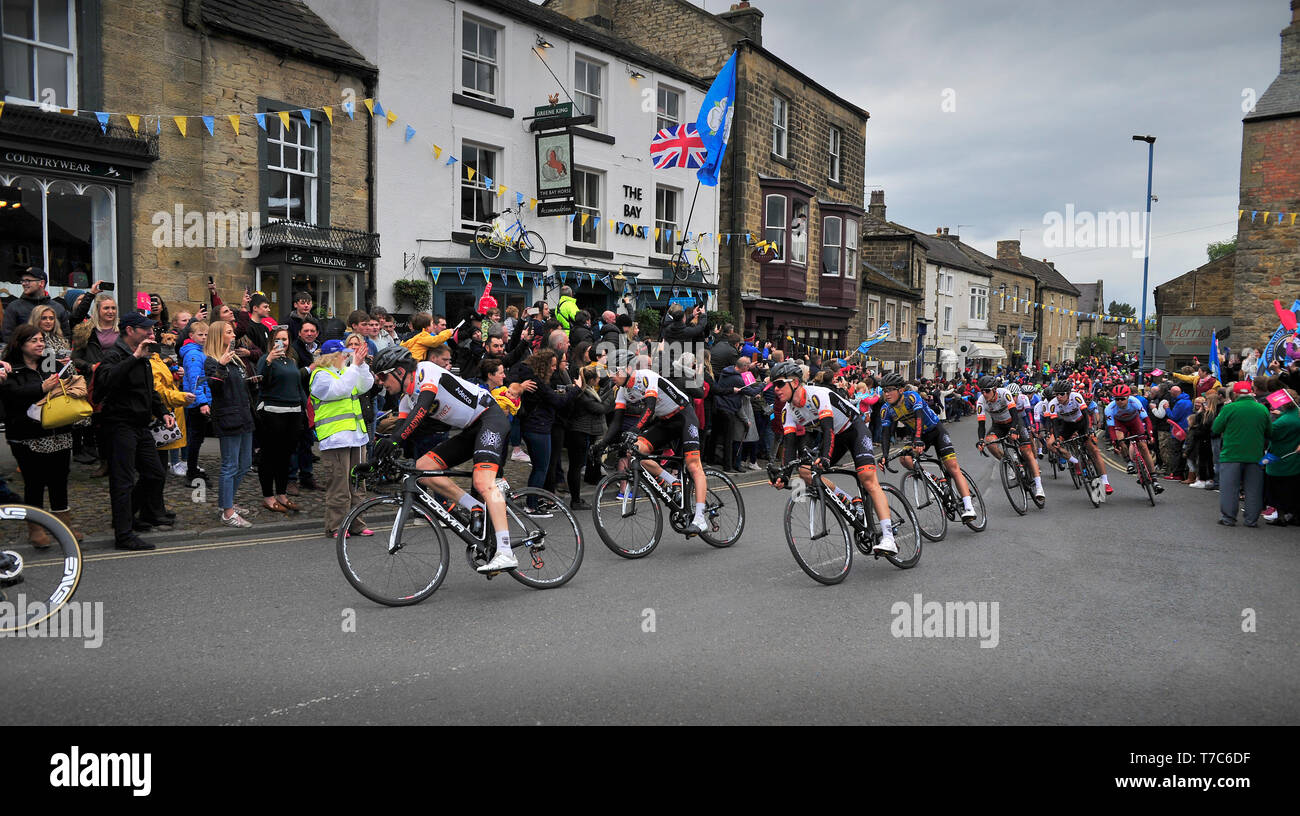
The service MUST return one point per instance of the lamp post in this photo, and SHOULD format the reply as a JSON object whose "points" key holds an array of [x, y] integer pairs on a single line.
{"points": [[1146, 259]]}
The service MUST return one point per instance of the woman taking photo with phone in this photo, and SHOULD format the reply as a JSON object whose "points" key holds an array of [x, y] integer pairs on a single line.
{"points": [[338, 378], [232, 418], [44, 455], [282, 413]]}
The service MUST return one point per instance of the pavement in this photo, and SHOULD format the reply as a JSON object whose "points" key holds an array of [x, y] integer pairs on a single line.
{"points": [[1123, 614]]}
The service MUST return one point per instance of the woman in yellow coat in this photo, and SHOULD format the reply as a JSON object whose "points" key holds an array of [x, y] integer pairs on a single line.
{"points": [[173, 399]]}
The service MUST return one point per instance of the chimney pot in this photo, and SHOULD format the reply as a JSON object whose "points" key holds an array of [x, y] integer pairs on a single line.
{"points": [[945, 231]]}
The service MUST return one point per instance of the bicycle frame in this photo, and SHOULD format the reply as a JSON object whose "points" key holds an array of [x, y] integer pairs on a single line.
{"points": [[656, 488], [951, 501], [412, 489], [505, 234]]}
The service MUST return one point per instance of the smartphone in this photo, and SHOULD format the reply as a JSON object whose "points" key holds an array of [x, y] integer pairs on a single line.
{"points": [[279, 344], [64, 370], [106, 286]]}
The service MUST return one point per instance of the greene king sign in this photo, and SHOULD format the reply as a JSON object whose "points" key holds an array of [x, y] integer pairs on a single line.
{"points": [[1190, 335]]}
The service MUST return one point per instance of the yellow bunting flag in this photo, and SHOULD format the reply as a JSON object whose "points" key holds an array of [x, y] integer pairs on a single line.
{"points": [[284, 119], [370, 106], [329, 113], [470, 170], [1293, 215], [391, 117], [234, 122], [180, 124], [1240, 213], [585, 216], [437, 152], [2, 109], [656, 233], [1265, 216], [135, 122], [69, 111], [501, 190]]}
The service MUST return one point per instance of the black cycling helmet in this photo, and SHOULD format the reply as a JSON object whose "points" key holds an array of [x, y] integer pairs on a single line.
{"points": [[891, 380], [988, 381], [786, 370], [1061, 387], [391, 359]]}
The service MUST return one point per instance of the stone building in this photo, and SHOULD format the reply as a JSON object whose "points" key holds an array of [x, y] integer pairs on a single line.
{"points": [[792, 175], [891, 300], [1012, 292], [136, 202], [1267, 264], [1192, 306], [1092, 301], [1056, 324]]}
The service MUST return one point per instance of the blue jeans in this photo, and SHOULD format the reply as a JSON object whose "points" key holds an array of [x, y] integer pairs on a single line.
{"points": [[236, 459], [1247, 477]]}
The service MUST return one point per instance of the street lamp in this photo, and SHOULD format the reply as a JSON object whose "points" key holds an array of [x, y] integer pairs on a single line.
{"points": [[1146, 260]]}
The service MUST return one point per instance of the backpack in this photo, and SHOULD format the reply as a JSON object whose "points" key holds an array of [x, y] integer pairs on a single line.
{"points": [[96, 402]]}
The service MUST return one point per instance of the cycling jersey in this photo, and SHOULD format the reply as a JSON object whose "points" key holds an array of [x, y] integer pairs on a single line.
{"points": [[1068, 409], [1042, 411], [457, 402], [910, 410], [645, 384], [819, 403], [1124, 411], [999, 410]]}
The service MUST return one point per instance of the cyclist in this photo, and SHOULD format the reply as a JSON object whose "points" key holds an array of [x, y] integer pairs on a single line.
{"points": [[1068, 411], [428, 392], [907, 410], [1125, 413], [842, 429], [997, 404], [667, 419]]}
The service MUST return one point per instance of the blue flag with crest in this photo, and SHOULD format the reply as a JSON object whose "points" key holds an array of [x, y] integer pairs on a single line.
{"points": [[714, 121]]}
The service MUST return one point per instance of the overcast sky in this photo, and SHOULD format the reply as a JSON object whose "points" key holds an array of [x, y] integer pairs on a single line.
{"points": [[1047, 97]]}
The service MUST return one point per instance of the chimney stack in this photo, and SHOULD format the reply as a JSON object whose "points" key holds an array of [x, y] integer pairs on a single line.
{"points": [[945, 232], [1008, 250], [877, 206], [1291, 41], [747, 18]]}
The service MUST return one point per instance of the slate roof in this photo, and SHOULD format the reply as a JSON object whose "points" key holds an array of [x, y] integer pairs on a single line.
{"points": [[1281, 99], [874, 278], [1048, 277], [1088, 293], [287, 27], [549, 20]]}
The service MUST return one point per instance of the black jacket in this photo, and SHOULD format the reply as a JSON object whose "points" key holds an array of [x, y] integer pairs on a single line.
{"points": [[231, 412], [18, 393], [580, 333], [723, 355], [19, 311], [610, 333], [677, 331], [725, 398], [123, 387]]}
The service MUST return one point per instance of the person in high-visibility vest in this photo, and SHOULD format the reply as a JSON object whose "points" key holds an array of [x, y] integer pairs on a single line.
{"points": [[337, 378]]}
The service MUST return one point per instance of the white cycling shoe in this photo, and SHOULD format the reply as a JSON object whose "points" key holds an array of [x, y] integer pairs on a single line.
{"points": [[501, 563], [1039, 494], [968, 513], [885, 546], [698, 525]]}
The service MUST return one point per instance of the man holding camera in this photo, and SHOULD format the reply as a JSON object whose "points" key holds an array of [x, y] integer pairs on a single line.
{"points": [[123, 386]]}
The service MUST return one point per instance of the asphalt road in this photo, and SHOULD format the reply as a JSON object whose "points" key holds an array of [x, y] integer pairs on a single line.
{"points": [[1123, 614]]}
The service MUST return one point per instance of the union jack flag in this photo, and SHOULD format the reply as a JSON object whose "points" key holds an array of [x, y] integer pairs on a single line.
{"points": [[678, 146]]}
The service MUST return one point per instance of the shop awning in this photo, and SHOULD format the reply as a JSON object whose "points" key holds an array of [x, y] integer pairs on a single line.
{"points": [[986, 351]]}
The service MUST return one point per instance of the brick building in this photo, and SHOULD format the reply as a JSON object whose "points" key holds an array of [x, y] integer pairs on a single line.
{"points": [[1267, 264], [153, 210], [793, 172]]}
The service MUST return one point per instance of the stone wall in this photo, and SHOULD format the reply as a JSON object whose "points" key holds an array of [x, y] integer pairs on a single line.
{"points": [[1268, 253], [1206, 290], [153, 62]]}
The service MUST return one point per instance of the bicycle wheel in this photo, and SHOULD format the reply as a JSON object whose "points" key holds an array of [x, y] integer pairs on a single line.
{"points": [[981, 519], [631, 527], [927, 505], [907, 533], [532, 248], [681, 268], [1088, 477], [485, 240], [703, 266], [1144, 476], [724, 509], [46, 578], [399, 565], [548, 543], [1011, 483], [824, 553]]}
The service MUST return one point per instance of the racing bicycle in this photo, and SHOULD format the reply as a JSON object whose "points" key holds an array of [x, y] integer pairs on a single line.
{"points": [[1015, 474], [627, 509], [821, 541], [36, 582], [1085, 474], [1140, 463], [934, 498], [407, 562], [492, 237]]}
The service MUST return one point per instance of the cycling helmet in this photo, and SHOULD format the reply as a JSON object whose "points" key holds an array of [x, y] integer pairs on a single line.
{"points": [[1121, 391], [988, 381], [1061, 387], [1013, 389], [891, 380], [391, 359], [786, 370]]}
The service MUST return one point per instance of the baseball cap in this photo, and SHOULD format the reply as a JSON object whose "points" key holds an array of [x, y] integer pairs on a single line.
{"points": [[1243, 387], [332, 346], [136, 320], [37, 272]]}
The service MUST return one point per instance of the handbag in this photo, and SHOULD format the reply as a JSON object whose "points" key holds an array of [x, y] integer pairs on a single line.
{"points": [[163, 435], [62, 410]]}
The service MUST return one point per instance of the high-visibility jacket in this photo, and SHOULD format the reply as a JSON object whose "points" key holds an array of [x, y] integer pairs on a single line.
{"points": [[332, 416]]}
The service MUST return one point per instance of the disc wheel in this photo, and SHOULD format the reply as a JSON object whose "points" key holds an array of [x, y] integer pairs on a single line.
{"points": [[1016, 493], [824, 553], [547, 541], [927, 505], [485, 240], [394, 567], [631, 526], [724, 509]]}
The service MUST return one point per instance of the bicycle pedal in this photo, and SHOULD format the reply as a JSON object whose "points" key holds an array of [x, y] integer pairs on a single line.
{"points": [[537, 560]]}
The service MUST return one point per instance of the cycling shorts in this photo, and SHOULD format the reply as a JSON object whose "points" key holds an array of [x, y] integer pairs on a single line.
{"points": [[682, 428], [1132, 427], [486, 439], [857, 438], [1065, 430], [937, 438]]}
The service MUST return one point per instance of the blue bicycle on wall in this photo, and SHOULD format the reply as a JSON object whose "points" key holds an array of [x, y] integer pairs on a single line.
{"points": [[495, 236]]}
